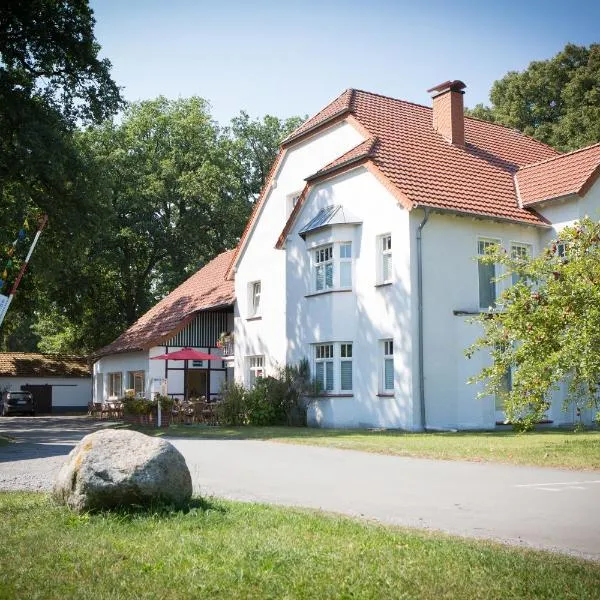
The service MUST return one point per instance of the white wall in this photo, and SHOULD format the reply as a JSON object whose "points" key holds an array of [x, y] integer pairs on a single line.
{"points": [[67, 392], [154, 369], [260, 261], [364, 316]]}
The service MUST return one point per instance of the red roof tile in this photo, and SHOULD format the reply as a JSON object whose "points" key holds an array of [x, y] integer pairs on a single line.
{"points": [[476, 179], [362, 150], [558, 176], [207, 288], [30, 364], [339, 106]]}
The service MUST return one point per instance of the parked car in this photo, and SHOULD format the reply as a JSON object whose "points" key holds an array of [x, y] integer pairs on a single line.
{"points": [[17, 402]]}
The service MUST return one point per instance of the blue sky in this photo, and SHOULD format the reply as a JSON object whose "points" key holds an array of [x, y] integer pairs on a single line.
{"points": [[291, 58]]}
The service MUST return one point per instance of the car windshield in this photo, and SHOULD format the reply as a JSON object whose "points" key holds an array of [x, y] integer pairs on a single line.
{"points": [[19, 394]]}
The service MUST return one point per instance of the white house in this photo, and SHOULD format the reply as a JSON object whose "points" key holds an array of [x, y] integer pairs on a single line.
{"points": [[383, 206], [361, 255], [59, 383]]}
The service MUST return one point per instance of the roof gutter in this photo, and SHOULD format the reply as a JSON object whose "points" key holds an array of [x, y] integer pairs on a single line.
{"points": [[423, 414]]}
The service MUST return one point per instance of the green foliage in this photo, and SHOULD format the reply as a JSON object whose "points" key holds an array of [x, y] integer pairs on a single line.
{"points": [[232, 409], [556, 101], [548, 330], [136, 406], [279, 400]]}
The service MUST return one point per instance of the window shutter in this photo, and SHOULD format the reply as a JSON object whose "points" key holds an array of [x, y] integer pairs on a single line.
{"points": [[346, 375], [389, 374], [320, 282], [329, 275], [329, 379], [387, 267], [346, 274]]}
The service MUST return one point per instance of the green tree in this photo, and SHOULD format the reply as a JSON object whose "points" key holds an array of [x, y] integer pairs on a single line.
{"points": [[51, 81], [548, 330], [257, 142], [556, 101], [172, 190]]}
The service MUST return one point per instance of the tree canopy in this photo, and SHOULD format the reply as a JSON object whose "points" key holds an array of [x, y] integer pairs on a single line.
{"points": [[556, 101], [548, 330]]}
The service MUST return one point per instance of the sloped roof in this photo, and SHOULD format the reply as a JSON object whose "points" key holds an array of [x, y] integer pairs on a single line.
{"points": [[359, 152], [207, 288], [476, 178], [30, 364], [562, 175], [334, 214]]}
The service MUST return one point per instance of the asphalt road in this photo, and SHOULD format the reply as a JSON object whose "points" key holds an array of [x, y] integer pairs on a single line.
{"points": [[543, 508]]}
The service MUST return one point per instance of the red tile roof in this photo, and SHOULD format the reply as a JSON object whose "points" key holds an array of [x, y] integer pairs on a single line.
{"points": [[362, 150], [475, 179], [30, 364], [571, 173], [207, 288]]}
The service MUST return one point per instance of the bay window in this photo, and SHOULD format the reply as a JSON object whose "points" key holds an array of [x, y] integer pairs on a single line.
{"points": [[332, 267]]}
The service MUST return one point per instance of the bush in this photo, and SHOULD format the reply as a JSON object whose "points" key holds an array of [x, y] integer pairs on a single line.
{"points": [[278, 400], [136, 406], [232, 409]]}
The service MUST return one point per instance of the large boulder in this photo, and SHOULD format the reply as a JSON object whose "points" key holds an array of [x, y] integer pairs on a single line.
{"points": [[115, 467]]}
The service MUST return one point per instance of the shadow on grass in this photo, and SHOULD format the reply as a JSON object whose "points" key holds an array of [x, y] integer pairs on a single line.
{"points": [[159, 509]]}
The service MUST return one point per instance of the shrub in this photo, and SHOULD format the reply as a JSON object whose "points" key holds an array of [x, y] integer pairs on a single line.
{"points": [[232, 409], [136, 406]]}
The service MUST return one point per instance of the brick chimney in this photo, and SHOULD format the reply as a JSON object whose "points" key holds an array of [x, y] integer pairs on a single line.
{"points": [[448, 111]]}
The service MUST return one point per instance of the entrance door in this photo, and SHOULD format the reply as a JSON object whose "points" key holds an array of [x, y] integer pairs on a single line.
{"points": [[197, 383], [42, 397]]}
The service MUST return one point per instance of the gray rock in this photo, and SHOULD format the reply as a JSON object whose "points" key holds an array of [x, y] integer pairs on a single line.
{"points": [[115, 467]]}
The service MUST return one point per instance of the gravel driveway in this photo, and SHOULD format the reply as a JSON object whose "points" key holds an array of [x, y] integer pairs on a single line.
{"points": [[544, 508]]}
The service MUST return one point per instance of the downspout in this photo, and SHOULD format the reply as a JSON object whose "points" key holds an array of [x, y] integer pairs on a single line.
{"points": [[420, 318]]}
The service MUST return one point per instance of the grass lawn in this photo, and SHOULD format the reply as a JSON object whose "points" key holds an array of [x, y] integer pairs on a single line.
{"points": [[545, 448], [221, 549]]}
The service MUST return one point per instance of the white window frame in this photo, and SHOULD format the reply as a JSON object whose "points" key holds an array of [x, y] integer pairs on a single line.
{"points": [[292, 200], [254, 299], [132, 377], [387, 356], [518, 246], [489, 242], [255, 368], [322, 257], [334, 354], [384, 250], [111, 387], [336, 254]]}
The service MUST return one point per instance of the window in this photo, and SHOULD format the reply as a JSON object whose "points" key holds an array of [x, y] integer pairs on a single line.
{"points": [[385, 259], [136, 382], [561, 249], [254, 299], [487, 275], [346, 367], [292, 200], [115, 387], [346, 265], [520, 252], [387, 378], [324, 268], [333, 267], [255, 368], [331, 360]]}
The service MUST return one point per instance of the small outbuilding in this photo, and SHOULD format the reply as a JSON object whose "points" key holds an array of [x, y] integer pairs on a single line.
{"points": [[59, 383]]}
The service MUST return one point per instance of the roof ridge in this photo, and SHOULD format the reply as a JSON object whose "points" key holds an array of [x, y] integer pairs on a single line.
{"points": [[546, 160], [391, 98]]}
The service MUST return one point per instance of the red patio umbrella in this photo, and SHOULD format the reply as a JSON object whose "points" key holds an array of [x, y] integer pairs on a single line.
{"points": [[186, 354]]}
